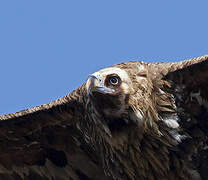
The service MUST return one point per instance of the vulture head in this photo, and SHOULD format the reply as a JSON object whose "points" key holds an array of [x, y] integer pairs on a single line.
{"points": [[109, 91], [127, 92]]}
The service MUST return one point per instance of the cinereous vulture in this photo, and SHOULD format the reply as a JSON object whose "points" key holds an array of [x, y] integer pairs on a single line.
{"points": [[130, 121]]}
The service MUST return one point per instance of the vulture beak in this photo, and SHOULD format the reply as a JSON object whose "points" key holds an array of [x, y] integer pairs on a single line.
{"points": [[96, 84]]}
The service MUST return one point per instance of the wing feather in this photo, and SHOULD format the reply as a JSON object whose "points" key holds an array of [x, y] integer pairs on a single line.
{"points": [[189, 81], [44, 143], [47, 142]]}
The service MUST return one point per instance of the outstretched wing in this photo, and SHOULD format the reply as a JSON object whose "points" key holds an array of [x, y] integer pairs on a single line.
{"points": [[189, 81], [44, 142]]}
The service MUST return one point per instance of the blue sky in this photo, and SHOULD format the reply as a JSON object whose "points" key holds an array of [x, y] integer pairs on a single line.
{"points": [[48, 47]]}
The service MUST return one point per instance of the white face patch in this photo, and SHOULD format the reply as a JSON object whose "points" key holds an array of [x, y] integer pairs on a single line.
{"points": [[113, 70], [126, 81]]}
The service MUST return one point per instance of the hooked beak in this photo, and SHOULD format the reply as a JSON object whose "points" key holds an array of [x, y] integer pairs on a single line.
{"points": [[96, 84]]}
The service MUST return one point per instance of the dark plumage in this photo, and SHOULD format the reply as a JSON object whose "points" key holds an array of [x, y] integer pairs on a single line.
{"points": [[134, 120]]}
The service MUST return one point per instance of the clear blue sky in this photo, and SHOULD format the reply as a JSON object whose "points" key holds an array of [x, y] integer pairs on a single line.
{"points": [[48, 47]]}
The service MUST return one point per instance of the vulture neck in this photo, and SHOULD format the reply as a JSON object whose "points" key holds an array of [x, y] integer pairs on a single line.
{"points": [[129, 152]]}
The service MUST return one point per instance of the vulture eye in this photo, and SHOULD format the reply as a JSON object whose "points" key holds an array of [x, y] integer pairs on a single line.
{"points": [[114, 80]]}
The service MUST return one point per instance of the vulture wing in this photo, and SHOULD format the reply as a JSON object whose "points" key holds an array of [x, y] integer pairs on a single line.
{"points": [[47, 142], [44, 142], [189, 81]]}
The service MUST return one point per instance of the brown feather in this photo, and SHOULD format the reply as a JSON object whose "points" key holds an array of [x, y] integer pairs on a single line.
{"points": [[70, 139]]}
